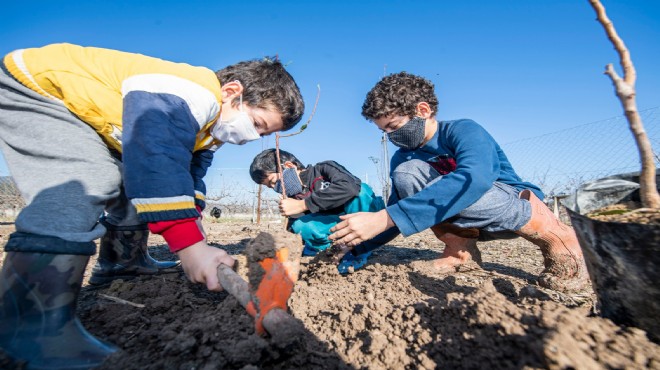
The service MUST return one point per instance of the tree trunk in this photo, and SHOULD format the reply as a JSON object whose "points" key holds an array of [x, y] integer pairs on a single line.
{"points": [[625, 91]]}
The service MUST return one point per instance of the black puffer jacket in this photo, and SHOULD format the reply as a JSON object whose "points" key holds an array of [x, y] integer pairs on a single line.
{"points": [[327, 187]]}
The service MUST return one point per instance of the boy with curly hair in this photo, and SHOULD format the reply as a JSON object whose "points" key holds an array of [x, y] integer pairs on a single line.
{"points": [[90, 132], [453, 177], [317, 195]]}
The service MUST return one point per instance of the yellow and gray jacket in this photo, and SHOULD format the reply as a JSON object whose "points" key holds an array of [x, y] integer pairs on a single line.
{"points": [[156, 113]]}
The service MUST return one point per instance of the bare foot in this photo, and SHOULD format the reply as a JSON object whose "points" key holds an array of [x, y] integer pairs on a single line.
{"points": [[460, 254], [449, 264]]}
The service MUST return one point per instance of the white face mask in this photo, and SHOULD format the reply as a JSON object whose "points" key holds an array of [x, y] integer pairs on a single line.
{"points": [[238, 130]]}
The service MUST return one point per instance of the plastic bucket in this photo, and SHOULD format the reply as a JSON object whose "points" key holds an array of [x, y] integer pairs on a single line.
{"points": [[623, 260]]}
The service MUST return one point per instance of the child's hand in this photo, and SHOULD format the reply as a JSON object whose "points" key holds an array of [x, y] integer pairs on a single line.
{"points": [[200, 263], [358, 227], [290, 206]]}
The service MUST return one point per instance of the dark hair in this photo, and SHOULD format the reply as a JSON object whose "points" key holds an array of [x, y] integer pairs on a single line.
{"points": [[265, 163], [266, 84], [398, 94]]}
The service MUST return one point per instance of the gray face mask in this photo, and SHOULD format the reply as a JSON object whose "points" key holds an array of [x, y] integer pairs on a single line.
{"points": [[409, 136]]}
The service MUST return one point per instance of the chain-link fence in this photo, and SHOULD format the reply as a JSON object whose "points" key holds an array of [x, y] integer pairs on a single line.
{"points": [[560, 161]]}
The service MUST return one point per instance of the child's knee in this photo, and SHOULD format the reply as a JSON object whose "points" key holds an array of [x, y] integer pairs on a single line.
{"points": [[411, 177]]}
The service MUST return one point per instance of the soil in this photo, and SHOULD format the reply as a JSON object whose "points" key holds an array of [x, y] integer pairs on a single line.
{"points": [[267, 245], [623, 213], [387, 315]]}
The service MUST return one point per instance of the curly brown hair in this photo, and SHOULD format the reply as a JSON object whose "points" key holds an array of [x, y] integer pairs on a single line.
{"points": [[398, 94]]}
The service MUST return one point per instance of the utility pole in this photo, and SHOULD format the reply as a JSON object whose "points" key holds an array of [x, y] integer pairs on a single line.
{"points": [[387, 186], [383, 174], [386, 168]]}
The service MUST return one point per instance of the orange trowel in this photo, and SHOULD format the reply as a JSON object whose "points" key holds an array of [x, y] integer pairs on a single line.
{"points": [[273, 265]]}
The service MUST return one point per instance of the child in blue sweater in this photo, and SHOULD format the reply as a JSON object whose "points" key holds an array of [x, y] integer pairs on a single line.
{"points": [[453, 177], [317, 195]]}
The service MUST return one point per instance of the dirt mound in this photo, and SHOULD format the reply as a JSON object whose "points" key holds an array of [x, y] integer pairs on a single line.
{"points": [[395, 317], [388, 315]]}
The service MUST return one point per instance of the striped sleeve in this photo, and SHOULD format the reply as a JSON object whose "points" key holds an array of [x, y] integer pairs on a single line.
{"points": [[162, 115], [201, 161]]}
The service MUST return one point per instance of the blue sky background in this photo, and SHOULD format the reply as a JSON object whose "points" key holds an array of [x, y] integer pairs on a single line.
{"points": [[521, 68]]}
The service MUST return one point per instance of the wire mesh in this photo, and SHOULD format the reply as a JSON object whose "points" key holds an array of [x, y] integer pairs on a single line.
{"points": [[558, 162]]}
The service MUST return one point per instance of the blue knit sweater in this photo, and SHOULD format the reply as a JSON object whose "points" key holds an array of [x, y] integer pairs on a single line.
{"points": [[479, 162]]}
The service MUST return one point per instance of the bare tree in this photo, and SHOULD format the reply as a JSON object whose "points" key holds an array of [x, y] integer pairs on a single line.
{"points": [[230, 197], [223, 192], [625, 91]]}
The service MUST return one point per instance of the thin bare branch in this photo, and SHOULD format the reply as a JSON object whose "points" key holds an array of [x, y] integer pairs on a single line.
{"points": [[309, 120], [279, 164], [278, 136], [277, 145], [122, 301], [629, 74], [622, 89], [279, 172]]}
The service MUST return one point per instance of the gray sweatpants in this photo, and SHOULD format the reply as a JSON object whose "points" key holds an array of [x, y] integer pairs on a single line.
{"points": [[498, 210], [64, 171]]}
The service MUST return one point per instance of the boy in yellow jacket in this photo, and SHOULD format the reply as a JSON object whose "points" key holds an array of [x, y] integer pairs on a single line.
{"points": [[90, 133]]}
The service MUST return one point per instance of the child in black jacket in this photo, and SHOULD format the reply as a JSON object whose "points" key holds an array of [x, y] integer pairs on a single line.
{"points": [[316, 196]]}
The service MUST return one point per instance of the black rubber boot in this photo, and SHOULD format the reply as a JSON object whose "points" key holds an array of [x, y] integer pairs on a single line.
{"points": [[124, 255], [38, 322]]}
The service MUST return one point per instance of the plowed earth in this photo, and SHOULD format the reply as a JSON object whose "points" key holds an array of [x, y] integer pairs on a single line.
{"points": [[391, 314]]}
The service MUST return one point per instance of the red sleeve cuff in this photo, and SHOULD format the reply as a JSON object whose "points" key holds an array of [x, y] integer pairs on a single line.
{"points": [[179, 234]]}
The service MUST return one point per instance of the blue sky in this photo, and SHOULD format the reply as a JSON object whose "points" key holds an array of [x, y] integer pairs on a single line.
{"points": [[521, 68]]}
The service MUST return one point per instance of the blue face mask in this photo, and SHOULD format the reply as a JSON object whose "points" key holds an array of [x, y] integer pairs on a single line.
{"points": [[291, 183]]}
